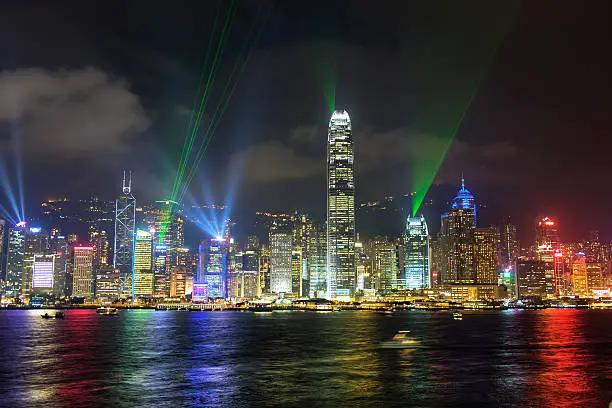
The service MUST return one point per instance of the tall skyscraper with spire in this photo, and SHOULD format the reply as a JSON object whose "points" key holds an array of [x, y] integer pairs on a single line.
{"points": [[125, 215], [341, 272], [461, 226], [417, 253]]}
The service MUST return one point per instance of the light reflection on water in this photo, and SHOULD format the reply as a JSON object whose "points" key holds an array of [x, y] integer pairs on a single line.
{"points": [[544, 358]]}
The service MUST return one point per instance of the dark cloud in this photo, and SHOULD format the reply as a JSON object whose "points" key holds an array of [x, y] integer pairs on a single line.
{"points": [[70, 113]]}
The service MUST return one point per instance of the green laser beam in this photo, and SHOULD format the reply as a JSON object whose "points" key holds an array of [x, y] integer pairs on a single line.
{"points": [[228, 91]]}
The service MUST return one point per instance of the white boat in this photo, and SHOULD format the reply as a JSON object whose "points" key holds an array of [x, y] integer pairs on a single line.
{"points": [[401, 341], [107, 311], [457, 316]]}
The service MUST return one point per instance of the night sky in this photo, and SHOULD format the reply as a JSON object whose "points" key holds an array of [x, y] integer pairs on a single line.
{"points": [[91, 88]]}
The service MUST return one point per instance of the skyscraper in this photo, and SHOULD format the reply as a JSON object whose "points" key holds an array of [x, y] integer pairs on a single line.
{"points": [[143, 265], [417, 253], [212, 267], [3, 240], [15, 256], [317, 254], [42, 273], [531, 278], [82, 275], [36, 243], [580, 276], [125, 215], [487, 256], [341, 272], [280, 262], [461, 226]]}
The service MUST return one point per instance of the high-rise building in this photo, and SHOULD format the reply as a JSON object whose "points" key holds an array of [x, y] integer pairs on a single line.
{"points": [[108, 284], [547, 243], [36, 243], [3, 245], [143, 265], [161, 277], [178, 282], [580, 276], [213, 265], [385, 264], [594, 275], [416, 241], [82, 274], [249, 277], [461, 225], [280, 262], [510, 249], [42, 273], [341, 272], [547, 234], [264, 269], [15, 258], [58, 246], [317, 264], [487, 255], [531, 278], [297, 270], [125, 216]]}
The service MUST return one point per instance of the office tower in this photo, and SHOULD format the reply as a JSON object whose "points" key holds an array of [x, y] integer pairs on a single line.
{"points": [[416, 241], [461, 226], [547, 234], [579, 276], [125, 215], [595, 279], [531, 278], [363, 266], [82, 274], [509, 246], [441, 251], [58, 246], [317, 264], [212, 267], [341, 272], [108, 284], [160, 270], [264, 269], [178, 282], [302, 231], [385, 264], [547, 243], [253, 242], [297, 267], [487, 255], [3, 243], [15, 258], [36, 243], [143, 265], [249, 284], [100, 243], [42, 274], [280, 262]]}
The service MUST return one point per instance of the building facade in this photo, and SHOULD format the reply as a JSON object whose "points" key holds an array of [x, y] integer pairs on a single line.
{"points": [[280, 262], [125, 220], [416, 240]]}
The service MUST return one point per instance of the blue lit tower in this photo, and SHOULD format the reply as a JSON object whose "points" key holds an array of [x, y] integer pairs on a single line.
{"points": [[15, 260], [341, 271], [417, 253], [125, 215], [212, 266], [461, 227]]}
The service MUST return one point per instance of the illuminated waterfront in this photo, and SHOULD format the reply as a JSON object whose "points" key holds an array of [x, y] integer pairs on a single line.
{"points": [[560, 358]]}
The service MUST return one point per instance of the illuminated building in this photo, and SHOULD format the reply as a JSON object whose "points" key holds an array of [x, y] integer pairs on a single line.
{"points": [[341, 272], [108, 284], [461, 221], [595, 279], [280, 262], [82, 274], [178, 282], [58, 246], [125, 215], [364, 267], [317, 264], [199, 292], [249, 278], [143, 262], [580, 276], [99, 241], [36, 242], [160, 267], [531, 278], [547, 243], [264, 269], [487, 255], [297, 267], [417, 266], [509, 248], [385, 264], [212, 267], [42, 273], [15, 257], [3, 239]]}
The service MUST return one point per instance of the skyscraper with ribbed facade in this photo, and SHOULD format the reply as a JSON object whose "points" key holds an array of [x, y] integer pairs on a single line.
{"points": [[417, 253], [341, 272], [125, 215]]}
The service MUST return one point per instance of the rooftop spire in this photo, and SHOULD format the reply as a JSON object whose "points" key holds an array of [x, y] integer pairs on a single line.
{"points": [[127, 188], [462, 182]]}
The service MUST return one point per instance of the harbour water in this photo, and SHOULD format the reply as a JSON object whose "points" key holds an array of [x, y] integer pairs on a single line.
{"points": [[514, 358]]}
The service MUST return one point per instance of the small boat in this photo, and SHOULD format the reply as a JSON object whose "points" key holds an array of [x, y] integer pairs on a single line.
{"points": [[401, 341], [59, 315], [457, 316], [47, 316], [107, 311]]}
